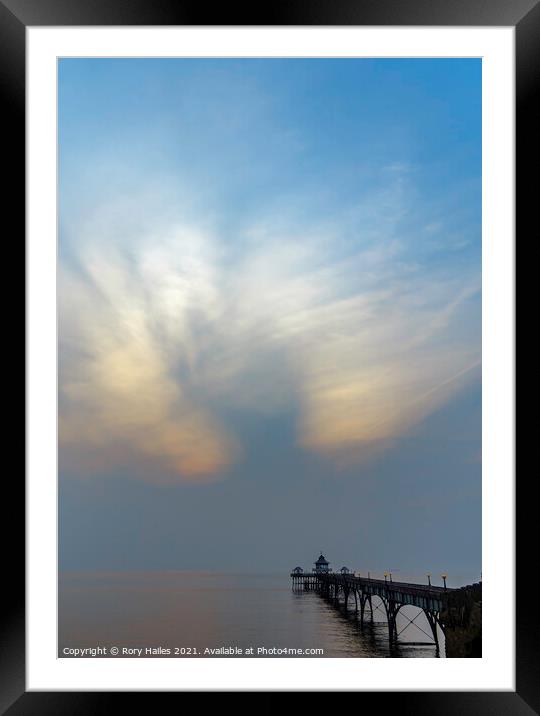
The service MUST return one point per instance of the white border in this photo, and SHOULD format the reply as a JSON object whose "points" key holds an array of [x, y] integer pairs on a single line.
{"points": [[495, 671]]}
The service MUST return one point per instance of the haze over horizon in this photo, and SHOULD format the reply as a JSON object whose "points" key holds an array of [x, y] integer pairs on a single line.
{"points": [[270, 314]]}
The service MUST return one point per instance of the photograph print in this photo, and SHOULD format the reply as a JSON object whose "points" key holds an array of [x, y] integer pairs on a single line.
{"points": [[269, 357]]}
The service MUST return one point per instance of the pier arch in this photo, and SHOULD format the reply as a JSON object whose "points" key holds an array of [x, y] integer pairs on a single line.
{"points": [[424, 625]]}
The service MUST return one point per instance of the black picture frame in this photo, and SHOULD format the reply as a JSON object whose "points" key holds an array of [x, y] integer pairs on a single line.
{"points": [[15, 16]]}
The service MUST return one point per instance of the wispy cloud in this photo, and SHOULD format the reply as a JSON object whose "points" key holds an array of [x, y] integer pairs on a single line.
{"points": [[165, 330]]}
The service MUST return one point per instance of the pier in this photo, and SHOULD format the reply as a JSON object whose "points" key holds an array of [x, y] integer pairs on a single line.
{"points": [[455, 611]]}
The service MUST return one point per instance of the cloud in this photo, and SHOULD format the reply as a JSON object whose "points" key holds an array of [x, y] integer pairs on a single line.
{"points": [[124, 336], [168, 328], [374, 346]]}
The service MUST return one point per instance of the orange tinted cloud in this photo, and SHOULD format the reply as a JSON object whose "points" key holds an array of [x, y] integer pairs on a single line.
{"points": [[162, 335], [118, 384]]}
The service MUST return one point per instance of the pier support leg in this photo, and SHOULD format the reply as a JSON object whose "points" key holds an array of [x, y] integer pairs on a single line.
{"points": [[432, 619], [391, 614]]}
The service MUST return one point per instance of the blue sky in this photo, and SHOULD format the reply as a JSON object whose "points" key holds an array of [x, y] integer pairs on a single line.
{"points": [[270, 301]]}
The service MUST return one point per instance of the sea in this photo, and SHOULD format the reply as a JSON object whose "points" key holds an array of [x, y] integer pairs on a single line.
{"points": [[178, 614]]}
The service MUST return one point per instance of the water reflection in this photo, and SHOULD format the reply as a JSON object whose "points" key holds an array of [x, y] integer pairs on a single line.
{"points": [[209, 610]]}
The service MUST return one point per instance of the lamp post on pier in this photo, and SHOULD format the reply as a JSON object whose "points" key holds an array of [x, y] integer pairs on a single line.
{"points": [[444, 576]]}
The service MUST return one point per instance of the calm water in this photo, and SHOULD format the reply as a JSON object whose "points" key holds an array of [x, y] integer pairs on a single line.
{"points": [[201, 610]]}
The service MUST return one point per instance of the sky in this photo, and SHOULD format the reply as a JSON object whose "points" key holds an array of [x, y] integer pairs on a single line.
{"points": [[269, 300]]}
